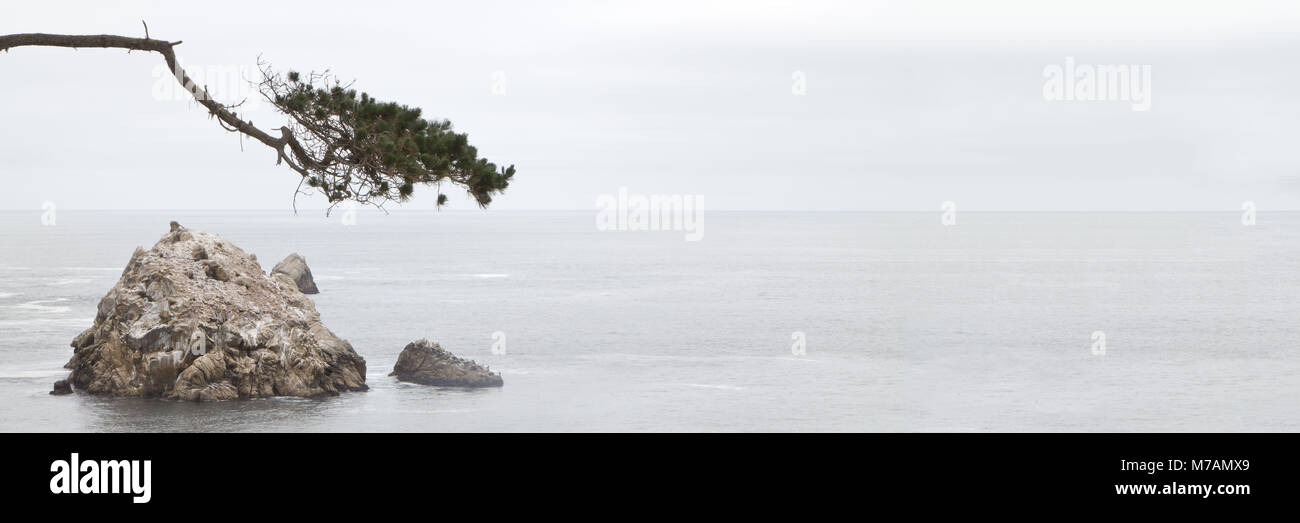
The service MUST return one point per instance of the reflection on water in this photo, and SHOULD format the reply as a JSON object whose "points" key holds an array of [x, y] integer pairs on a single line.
{"points": [[150, 415]]}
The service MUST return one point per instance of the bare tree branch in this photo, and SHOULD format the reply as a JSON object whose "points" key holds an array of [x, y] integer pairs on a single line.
{"points": [[345, 146]]}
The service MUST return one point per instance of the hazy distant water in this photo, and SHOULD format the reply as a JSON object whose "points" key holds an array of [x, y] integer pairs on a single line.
{"points": [[910, 325]]}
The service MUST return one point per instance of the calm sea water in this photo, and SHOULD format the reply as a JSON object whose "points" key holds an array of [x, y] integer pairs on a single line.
{"points": [[987, 325]]}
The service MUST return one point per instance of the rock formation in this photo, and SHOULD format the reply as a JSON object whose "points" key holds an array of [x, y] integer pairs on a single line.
{"points": [[61, 387], [295, 267], [195, 318], [426, 362]]}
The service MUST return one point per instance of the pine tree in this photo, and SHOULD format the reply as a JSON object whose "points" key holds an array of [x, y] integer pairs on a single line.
{"points": [[346, 145]]}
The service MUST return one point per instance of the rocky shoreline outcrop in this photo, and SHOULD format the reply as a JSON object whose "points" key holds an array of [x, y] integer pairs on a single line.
{"points": [[427, 363], [196, 318]]}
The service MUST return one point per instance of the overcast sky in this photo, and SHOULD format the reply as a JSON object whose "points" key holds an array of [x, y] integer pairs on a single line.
{"points": [[907, 104]]}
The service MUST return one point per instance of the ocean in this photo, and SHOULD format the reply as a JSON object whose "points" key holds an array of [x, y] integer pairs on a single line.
{"points": [[771, 322]]}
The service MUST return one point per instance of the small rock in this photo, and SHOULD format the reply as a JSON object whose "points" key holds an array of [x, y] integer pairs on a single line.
{"points": [[295, 267], [61, 387], [426, 363]]}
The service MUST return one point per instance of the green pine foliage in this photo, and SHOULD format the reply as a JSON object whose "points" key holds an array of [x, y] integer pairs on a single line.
{"points": [[370, 151]]}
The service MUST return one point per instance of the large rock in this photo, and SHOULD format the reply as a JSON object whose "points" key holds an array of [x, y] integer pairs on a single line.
{"points": [[295, 267], [196, 318], [426, 362]]}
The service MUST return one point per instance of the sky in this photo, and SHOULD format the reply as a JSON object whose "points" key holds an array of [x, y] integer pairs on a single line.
{"points": [[859, 106]]}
